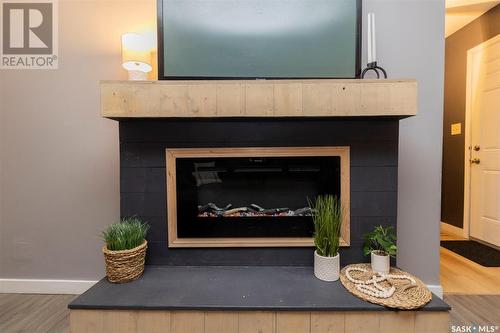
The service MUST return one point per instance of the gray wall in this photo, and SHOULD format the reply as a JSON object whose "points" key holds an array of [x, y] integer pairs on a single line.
{"points": [[481, 29], [60, 160], [410, 43], [2, 121]]}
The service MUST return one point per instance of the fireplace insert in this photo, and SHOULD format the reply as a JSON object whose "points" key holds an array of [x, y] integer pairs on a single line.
{"points": [[259, 196]]}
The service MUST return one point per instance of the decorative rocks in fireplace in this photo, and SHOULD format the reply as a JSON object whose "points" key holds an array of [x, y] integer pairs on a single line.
{"points": [[223, 197]]}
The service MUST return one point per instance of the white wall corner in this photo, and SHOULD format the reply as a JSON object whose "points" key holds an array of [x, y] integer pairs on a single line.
{"points": [[436, 289], [32, 286]]}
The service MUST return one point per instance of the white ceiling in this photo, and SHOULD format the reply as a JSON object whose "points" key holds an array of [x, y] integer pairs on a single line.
{"points": [[461, 12]]}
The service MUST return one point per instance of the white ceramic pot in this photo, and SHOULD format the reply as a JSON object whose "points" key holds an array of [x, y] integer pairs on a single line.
{"points": [[381, 263], [326, 268]]}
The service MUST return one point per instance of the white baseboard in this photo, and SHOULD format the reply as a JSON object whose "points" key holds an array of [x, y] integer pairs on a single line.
{"points": [[451, 229], [436, 289], [31, 286]]}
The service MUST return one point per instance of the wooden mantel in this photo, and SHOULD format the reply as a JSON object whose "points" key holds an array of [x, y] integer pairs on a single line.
{"points": [[258, 98]]}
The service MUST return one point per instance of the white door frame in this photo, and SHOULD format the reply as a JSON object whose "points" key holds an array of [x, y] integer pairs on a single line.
{"points": [[468, 130]]}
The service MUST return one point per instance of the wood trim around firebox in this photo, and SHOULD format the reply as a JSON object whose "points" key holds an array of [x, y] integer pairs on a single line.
{"points": [[172, 154]]}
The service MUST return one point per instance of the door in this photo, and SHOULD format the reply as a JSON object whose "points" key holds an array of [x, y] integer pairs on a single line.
{"points": [[484, 85]]}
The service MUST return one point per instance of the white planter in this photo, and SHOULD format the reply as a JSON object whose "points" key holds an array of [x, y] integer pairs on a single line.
{"points": [[326, 268], [381, 264]]}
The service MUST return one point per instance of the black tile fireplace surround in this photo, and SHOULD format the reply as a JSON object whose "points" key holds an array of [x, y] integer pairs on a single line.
{"points": [[373, 154]]}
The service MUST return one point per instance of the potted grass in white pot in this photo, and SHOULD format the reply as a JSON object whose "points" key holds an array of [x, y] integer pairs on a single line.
{"points": [[125, 249], [380, 244], [327, 218]]}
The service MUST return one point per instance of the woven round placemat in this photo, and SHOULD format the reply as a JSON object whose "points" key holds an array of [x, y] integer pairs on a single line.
{"points": [[125, 266], [403, 298]]}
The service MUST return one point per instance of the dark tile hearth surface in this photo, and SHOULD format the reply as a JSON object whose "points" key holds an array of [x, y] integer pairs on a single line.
{"points": [[228, 288]]}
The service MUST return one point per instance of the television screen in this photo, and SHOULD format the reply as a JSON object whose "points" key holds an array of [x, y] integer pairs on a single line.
{"points": [[258, 38]]}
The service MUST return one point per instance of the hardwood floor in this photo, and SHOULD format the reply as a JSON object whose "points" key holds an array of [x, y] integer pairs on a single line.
{"points": [[474, 309], [449, 236], [460, 275], [49, 313], [34, 313]]}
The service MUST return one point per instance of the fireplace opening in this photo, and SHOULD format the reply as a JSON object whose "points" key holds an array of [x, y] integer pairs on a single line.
{"points": [[251, 196]]}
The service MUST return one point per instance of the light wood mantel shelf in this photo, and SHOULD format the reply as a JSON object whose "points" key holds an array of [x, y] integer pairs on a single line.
{"points": [[258, 98]]}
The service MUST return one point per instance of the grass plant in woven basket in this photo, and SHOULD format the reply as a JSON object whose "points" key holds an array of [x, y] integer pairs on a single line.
{"points": [[381, 245], [327, 218], [125, 249]]}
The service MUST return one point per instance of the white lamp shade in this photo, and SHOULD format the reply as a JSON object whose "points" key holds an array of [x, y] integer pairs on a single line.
{"points": [[136, 53]]}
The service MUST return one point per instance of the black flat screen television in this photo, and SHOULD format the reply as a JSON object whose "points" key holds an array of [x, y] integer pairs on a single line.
{"points": [[252, 39]]}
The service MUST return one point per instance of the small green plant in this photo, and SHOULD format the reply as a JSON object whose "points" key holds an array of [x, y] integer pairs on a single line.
{"points": [[381, 240], [327, 218], [128, 233]]}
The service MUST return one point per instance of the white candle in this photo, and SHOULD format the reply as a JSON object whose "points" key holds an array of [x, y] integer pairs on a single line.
{"points": [[370, 38], [374, 45]]}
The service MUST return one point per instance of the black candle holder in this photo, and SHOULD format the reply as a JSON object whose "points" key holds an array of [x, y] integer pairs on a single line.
{"points": [[372, 66]]}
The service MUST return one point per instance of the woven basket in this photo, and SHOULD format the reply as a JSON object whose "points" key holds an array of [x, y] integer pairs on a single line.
{"points": [[126, 265]]}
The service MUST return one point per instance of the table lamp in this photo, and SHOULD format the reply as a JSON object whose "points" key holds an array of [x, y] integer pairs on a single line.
{"points": [[136, 56]]}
